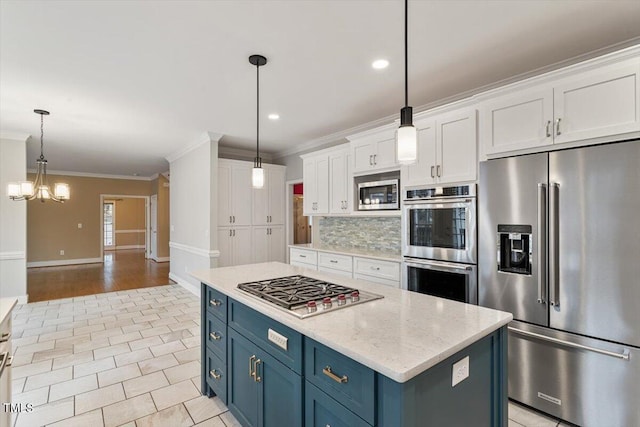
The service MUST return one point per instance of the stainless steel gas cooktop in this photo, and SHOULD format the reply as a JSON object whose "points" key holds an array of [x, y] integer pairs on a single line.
{"points": [[305, 296]]}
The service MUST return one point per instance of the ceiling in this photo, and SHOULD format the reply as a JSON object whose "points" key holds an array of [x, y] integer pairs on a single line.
{"points": [[130, 82]]}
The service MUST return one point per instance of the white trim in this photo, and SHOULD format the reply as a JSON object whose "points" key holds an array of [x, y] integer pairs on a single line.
{"points": [[107, 197], [235, 152], [64, 262], [161, 259], [288, 219], [15, 136], [12, 255], [23, 299], [207, 137], [193, 250], [185, 284], [130, 247], [93, 175], [130, 231]]}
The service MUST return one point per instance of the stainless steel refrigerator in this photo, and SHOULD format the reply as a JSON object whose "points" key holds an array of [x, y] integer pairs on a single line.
{"points": [[559, 247]]}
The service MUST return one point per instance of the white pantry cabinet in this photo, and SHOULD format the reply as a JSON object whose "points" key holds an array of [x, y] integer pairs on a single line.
{"points": [[234, 244], [374, 152], [234, 193], [268, 244], [598, 103], [447, 150], [269, 201]]}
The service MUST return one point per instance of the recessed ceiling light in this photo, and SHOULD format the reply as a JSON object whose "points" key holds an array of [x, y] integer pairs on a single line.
{"points": [[274, 116], [380, 64]]}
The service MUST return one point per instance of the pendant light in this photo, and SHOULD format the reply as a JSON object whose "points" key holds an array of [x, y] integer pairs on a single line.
{"points": [[257, 174], [39, 189], [406, 137]]}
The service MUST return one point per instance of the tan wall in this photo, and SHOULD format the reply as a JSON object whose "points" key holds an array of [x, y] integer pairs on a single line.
{"points": [[158, 187], [130, 215], [52, 227]]}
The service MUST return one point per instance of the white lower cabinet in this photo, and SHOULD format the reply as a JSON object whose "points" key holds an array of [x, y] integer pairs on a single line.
{"points": [[268, 244], [234, 245], [371, 269]]}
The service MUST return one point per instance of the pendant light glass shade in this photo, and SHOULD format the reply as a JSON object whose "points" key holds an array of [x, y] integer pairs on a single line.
{"points": [[257, 177], [407, 144]]}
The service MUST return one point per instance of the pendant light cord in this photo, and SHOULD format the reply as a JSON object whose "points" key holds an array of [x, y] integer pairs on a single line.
{"points": [[258, 114], [406, 55]]}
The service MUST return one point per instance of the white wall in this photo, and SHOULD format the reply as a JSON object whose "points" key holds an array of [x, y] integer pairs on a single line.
{"points": [[13, 221], [193, 211]]}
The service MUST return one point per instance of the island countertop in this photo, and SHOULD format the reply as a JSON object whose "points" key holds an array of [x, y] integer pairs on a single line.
{"points": [[401, 335]]}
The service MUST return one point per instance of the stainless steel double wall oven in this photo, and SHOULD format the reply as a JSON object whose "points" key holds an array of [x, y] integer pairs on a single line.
{"points": [[439, 242]]}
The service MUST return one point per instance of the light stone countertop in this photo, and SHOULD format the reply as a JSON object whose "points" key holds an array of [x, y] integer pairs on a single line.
{"points": [[400, 336], [6, 305], [350, 251]]}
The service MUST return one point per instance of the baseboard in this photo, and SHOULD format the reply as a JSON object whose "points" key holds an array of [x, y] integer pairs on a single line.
{"points": [[64, 262], [185, 284], [161, 259], [23, 299], [130, 247]]}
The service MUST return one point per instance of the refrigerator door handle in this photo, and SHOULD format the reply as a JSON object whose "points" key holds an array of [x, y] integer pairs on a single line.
{"points": [[554, 217], [542, 242], [624, 355]]}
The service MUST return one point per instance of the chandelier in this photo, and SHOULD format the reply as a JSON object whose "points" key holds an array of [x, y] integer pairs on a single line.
{"points": [[39, 189]]}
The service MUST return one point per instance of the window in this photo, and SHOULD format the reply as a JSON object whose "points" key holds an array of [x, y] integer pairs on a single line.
{"points": [[109, 219]]}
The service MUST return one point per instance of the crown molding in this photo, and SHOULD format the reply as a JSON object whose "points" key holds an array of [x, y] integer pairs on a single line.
{"points": [[94, 175], [204, 139], [14, 136], [233, 153]]}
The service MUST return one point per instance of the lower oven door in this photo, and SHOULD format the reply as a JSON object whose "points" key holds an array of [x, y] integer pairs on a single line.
{"points": [[449, 280]]}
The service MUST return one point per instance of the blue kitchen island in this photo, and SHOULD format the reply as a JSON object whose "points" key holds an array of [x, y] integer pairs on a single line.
{"points": [[405, 360]]}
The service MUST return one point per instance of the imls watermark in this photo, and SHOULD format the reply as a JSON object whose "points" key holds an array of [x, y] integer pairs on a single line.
{"points": [[17, 407]]}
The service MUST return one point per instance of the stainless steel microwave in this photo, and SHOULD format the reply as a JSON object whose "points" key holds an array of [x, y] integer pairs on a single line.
{"points": [[379, 195]]}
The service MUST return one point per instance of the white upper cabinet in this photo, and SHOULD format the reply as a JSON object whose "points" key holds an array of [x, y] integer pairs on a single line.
{"points": [[599, 103], [374, 152], [234, 193], [268, 202], [315, 177], [340, 182], [447, 150]]}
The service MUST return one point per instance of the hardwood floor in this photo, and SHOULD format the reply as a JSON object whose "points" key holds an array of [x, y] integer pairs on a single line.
{"points": [[121, 270]]}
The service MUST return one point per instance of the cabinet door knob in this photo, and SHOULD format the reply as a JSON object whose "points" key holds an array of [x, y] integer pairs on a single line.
{"points": [[558, 126], [230, 219], [548, 131], [255, 372], [339, 379], [375, 161], [215, 375], [432, 176], [438, 168], [370, 160], [215, 302], [251, 368], [215, 336]]}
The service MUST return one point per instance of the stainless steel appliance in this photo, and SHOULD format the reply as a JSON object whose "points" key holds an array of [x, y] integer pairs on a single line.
{"points": [[379, 195], [439, 242], [559, 247], [440, 223], [305, 296]]}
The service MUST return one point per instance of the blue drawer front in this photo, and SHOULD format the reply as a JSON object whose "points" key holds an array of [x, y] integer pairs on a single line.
{"points": [[255, 326], [321, 410], [325, 367], [216, 374], [216, 303], [216, 336]]}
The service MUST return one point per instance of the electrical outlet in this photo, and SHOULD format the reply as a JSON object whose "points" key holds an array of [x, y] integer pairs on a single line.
{"points": [[277, 339], [79, 225], [460, 371], [61, 251]]}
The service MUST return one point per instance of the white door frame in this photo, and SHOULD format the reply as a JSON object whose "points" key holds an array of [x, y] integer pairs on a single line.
{"points": [[288, 219], [152, 250], [147, 224]]}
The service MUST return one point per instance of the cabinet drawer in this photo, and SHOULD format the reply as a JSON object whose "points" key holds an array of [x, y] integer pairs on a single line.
{"points": [[375, 279], [256, 327], [216, 336], [303, 256], [336, 272], [322, 410], [216, 303], [341, 378], [384, 269], [335, 262], [216, 372]]}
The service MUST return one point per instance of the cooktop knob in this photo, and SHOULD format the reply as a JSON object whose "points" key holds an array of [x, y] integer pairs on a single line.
{"points": [[355, 296], [311, 307], [326, 302], [342, 300]]}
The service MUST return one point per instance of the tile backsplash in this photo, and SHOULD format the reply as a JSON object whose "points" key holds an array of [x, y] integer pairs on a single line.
{"points": [[367, 233]]}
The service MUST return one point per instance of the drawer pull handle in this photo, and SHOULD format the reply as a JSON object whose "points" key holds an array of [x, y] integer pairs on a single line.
{"points": [[215, 336], [339, 379], [333, 261], [215, 375], [215, 302], [5, 337], [302, 256], [375, 268]]}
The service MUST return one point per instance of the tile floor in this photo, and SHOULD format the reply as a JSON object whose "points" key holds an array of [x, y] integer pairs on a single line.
{"points": [[128, 358]]}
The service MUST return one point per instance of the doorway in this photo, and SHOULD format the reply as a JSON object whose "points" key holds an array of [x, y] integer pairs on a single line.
{"points": [[124, 223], [301, 223]]}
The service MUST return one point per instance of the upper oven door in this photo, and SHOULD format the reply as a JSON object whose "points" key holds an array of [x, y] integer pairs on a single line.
{"points": [[441, 230]]}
